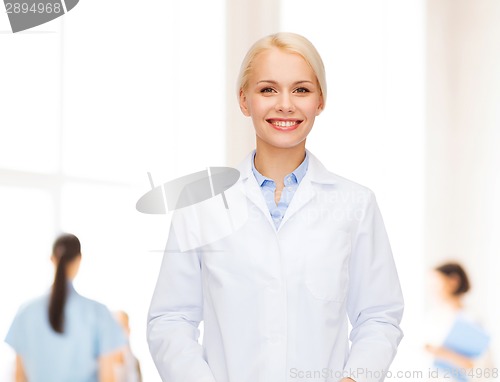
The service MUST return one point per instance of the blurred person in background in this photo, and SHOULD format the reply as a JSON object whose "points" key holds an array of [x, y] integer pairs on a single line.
{"points": [[457, 342], [127, 368], [63, 336]]}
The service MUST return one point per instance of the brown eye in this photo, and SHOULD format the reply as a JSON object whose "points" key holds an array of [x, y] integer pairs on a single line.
{"points": [[267, 90], [302, 90]]}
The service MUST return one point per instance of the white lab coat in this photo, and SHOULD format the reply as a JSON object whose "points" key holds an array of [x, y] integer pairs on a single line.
{"points": [[275, 302]]}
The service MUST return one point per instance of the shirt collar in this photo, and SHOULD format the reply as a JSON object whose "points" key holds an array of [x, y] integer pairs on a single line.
{"points": [[316, 172], [297, 174]]}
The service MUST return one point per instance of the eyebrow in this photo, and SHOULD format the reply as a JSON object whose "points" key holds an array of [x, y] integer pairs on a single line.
{"points": [[295, 83]]}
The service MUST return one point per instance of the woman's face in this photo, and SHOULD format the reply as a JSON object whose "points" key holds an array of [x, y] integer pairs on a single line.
{"points": [[282, 97], [444, 285]]}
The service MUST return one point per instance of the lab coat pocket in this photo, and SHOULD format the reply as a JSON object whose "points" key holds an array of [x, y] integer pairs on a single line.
{"points": [[326, 267]]}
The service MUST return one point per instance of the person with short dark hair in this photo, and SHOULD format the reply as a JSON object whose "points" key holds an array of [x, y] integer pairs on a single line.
{"points": [[457, 332], [458, 282]]}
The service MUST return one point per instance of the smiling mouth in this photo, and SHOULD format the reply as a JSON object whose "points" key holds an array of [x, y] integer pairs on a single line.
{"points": [[284, 124]]}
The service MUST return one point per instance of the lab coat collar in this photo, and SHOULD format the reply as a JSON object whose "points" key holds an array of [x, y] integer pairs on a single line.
{"points": [[316, 173], [251, 186]]}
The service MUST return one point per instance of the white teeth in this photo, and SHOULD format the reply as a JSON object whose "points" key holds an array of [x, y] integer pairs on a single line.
{"points": [[284, 123]]}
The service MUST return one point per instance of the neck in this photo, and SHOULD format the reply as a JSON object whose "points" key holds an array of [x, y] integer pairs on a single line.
{"points": [[276, 163], [454, 302]]}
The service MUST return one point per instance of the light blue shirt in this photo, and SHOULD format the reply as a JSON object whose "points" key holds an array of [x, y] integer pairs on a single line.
{"points": [[268, 187], [89, 332]]}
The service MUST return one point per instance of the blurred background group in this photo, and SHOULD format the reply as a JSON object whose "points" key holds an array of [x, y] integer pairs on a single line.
{"points": [[90, 102]]}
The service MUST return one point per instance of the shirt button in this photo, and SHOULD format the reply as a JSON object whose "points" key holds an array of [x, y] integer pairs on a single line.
{"points": [[276, 214]]}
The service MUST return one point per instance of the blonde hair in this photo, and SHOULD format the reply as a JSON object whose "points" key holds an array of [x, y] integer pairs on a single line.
{"points": [[290, 42]]}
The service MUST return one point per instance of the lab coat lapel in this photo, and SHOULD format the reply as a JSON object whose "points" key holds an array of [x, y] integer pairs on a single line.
{"points": [[316, 175], [252, 189], [303, 195]]}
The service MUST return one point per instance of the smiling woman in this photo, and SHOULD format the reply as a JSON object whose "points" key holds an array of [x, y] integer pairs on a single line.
{"points": [[274, 98], [275, 294]]}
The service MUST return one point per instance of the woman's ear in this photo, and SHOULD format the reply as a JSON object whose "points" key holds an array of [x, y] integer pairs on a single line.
{"points": [[321, 106], [243, 103]]}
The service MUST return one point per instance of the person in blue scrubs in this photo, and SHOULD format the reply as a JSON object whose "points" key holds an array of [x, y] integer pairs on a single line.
{"points": [[64, 336]]}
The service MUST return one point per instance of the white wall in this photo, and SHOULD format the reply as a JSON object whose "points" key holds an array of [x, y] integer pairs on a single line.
{"points": [[463, 140], [88, 104]]}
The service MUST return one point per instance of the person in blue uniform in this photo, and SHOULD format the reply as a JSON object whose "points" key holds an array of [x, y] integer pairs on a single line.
{"points": [[63, 336]]}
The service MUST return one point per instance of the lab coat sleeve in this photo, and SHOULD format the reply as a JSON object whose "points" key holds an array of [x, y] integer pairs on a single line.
{"points": [[375, 302], [175, 312]]}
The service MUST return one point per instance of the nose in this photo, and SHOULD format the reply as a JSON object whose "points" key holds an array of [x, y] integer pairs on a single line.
{"points": [[285, 104]]}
